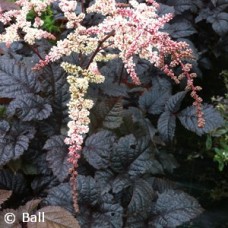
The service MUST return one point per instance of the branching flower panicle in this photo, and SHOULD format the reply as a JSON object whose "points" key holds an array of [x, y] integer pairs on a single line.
{"points": [[135, 30]]}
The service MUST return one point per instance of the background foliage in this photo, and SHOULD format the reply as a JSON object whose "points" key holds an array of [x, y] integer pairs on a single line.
{"points": [[134, 165]]}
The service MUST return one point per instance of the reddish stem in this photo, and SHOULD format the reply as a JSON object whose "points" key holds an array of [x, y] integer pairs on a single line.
{"points": [[100, 42]]}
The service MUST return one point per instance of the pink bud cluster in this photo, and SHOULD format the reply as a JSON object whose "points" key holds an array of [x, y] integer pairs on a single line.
{"points": [[68, 8]]}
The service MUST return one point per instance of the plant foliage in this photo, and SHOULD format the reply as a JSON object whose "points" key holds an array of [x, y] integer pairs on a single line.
{"points": [[125, 156]]}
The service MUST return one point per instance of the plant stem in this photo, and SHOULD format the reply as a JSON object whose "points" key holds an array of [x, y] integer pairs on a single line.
{"points": [[121, 74], [36, 52], [100, 42]]}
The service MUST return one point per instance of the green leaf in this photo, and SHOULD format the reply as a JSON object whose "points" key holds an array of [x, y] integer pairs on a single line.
{"points": [[221, 156], [2, 111], [31, 15]]}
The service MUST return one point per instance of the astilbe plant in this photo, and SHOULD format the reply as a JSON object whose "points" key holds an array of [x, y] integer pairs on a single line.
{"points": [[131, 30]]}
